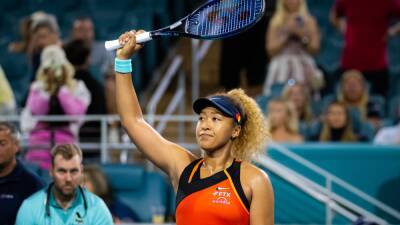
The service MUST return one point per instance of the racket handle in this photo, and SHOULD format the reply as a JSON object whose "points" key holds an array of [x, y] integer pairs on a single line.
{"points": [[143, 37], [114, 44]]}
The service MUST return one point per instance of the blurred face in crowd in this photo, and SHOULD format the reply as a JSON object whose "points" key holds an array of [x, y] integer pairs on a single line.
{"points": [[353, 88], [336, 116], [83, 30], [277, 114], [67, 175], [297, 95], [291, 6], [44, 37], [8, 149]]}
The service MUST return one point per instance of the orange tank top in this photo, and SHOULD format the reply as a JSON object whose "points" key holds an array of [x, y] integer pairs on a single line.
{"points": [[215, 200]]}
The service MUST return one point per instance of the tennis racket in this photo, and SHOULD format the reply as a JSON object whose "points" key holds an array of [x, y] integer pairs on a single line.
{"points": [[213, 20]]}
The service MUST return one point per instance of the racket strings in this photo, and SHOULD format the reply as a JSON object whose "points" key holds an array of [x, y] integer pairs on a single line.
{"points": [[226, 16]]}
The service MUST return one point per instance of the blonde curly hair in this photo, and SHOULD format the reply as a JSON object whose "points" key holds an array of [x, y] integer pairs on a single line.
{"points": [[254, 133]]}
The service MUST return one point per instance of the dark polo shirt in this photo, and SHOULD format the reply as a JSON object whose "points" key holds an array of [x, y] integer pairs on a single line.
{"points": [[14, 189]]}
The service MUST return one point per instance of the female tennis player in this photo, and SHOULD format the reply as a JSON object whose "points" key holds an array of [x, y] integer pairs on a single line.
{"points": [[222, 187]]}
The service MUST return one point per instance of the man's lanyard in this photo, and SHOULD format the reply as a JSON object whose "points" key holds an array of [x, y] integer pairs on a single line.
{"points": [[78, 217]]}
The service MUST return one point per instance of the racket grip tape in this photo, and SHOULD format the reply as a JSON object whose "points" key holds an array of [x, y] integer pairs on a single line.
{"points": [[114, 44]]}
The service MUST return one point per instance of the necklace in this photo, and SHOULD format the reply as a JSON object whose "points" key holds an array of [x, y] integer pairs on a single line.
{"points": [[211, 171]]}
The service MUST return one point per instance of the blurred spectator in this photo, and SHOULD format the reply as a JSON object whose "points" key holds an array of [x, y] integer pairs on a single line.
{"points": [[55, 92], [375, 115], [293, 37], [77, 52], [16, 181], [337, 125], [283, 122], [100, 61], [21, 46], [37, 31], [96, 182], [100, 65], [389, 135], [300, 97], [64, 201], [44, 31], [353, 92], [365, 25], [251, 57], [7, 100]]}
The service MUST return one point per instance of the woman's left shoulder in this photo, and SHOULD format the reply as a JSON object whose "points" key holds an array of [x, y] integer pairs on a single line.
{"points": [[253, 174]]}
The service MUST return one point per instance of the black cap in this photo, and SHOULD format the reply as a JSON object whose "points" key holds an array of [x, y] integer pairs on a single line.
{"points": [[222, 103]]}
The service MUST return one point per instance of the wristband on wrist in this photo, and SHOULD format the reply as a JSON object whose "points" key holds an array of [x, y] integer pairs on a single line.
{"points": [[123, 65]]}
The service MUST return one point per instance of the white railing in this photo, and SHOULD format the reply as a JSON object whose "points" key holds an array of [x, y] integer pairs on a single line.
{"points": [[172, 71], [332, 179], [104, 145], [319, 193], [199, 51]]}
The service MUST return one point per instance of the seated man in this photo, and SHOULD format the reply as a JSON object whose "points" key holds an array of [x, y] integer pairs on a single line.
{"points": [[16, 182], [66, 202]]}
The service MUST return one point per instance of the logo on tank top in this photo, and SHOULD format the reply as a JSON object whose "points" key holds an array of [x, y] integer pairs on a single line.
{"points": [[221, 196], [221, 188]]}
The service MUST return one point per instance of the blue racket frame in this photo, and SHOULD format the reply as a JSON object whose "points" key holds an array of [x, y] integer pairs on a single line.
{"points": [[198, 25]]}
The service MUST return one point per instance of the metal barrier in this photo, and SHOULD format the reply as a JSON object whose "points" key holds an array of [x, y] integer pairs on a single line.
{"points": [[331, 200], [104, 145], [199, 51], [332, 179]]}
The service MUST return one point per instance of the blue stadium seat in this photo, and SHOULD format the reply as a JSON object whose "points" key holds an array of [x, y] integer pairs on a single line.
{"points": [[16, 69], [367, 131], [379, 104], [276, 89], [48, 6], [32, 167], [394, 55], [42, 173], [139, 189], [394, 105], [262, 101], [107, 23], [325, 101], [304, 129], [394, 89], [12, 5]]}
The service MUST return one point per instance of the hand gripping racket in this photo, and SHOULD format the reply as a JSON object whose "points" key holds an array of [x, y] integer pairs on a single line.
{"points": [[214, 19]]}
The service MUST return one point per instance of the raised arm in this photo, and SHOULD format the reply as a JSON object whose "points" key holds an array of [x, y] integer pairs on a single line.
{"points": [[314, 37], [276, 40], [169, 157], [336, 16]]}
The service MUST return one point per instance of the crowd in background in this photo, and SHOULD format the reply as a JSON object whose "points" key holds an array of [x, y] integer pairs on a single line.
{"points": [[74, 77], [357, 107]]}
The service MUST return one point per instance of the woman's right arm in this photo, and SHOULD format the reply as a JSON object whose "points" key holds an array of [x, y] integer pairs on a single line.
{"points": [[336, 17], [38, 100], [168, 156]]}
